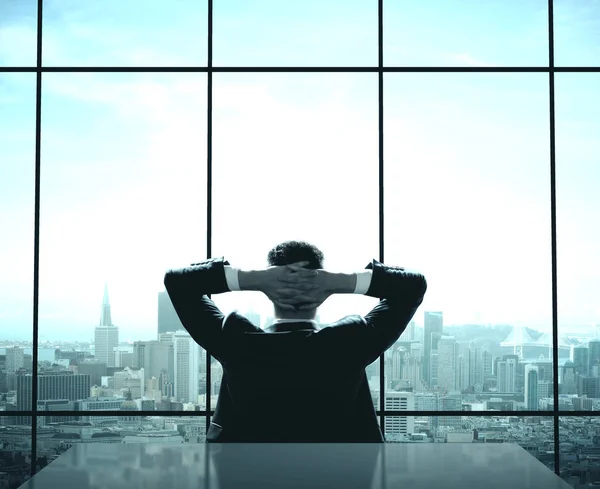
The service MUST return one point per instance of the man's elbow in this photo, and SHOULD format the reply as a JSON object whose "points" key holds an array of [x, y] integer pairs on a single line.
{"points": [[421, 286], [169, 279]]}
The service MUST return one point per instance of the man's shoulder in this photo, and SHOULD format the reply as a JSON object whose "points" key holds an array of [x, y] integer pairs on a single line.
{"points": [[350, 321], [234, 323]]}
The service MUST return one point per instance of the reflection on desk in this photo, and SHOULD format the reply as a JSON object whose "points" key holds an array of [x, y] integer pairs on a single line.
{"points": [[294, 466]]}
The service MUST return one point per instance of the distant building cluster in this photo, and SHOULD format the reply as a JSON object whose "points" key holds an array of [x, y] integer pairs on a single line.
{"points": [[430, 368]]}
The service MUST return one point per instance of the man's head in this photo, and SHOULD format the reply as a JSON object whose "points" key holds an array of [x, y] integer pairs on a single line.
{"points": [[290, 252]]}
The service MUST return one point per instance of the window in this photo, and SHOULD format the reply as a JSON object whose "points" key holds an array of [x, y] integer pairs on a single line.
{"points": [[577, 123], [447, 141], [466, 166], [297, 176]]}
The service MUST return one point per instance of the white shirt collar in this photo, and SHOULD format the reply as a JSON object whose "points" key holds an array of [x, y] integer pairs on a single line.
{"points": [[294, 321]]}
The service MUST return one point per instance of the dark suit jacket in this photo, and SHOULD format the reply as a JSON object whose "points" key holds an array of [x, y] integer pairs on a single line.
{"points": [[294, 382]]}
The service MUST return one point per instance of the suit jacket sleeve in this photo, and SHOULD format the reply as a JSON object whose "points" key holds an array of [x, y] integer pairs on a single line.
{"points": [[400, 293], [188, 288]]}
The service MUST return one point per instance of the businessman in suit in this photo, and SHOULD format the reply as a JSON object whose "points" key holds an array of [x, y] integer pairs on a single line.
{"points": [[294, 381]]}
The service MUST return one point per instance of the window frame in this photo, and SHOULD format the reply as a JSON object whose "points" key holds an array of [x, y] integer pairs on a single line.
{"points": [[381, 69]]}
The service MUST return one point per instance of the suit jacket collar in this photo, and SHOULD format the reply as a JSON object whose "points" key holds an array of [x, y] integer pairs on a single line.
{"points": [[287, 325]]}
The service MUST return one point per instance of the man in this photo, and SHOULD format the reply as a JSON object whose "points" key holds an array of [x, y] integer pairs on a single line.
{"points": [[294, 381]]}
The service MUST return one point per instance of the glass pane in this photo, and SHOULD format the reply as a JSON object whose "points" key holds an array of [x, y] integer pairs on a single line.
{"points": [[17, 180], [132, 33], [18, 33], [466, 33], [96, 443], [576, 33], [577, 206], [534, 434], [308, 33], [580, 450], [289, 139], [124, 175], [468, 205], [15, 451]]}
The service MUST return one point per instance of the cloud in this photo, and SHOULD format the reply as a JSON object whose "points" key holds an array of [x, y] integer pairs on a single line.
{"points": [[468, 60], [18, 45]]}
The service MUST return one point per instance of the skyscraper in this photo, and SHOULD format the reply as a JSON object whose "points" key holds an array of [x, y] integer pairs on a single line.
{"points": [[475, 367], [593, 355], [446, 363], [507, 370], [579, 357], [14, 359], [588, 386], [153, 357], [186, 362], [568, 383], [168, 320], [106, 335], [434, 322], [531, 387]]}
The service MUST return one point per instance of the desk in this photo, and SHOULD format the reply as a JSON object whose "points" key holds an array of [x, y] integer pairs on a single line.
{"points": [[295, 466]]}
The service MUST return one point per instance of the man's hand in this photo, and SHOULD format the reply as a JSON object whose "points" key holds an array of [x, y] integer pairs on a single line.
{"points": [[287, 286], [304, 291]]}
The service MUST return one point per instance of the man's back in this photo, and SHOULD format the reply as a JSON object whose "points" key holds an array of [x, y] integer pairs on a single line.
{"points": [[292, 384]]}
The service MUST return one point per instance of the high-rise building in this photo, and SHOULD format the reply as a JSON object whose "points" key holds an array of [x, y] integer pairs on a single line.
{"points": [[531, 387], [53, 385], [568, 383], [583, 404], [95, 369], [588, 386], [433, 368], [579, 357], [14, 359], [396, 363], [475, 358], [186, 362], [412, 371], [446, 363], [545, 389], [399, 401], [153, 357], [486, 358], [168, 320], [106, 334], [507, 375], [463, 373], [123, 358], [593, 354], [434, 322], [545, 371]]}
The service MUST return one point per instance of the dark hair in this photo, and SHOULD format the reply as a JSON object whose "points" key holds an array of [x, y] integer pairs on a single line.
{"points": [[290, 252]]}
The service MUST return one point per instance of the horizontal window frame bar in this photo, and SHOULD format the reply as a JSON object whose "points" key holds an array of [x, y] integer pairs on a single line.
{"points": [[385, 413], [300, 69]]}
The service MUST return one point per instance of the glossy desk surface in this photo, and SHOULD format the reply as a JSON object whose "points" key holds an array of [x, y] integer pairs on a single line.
{"points": [[294, 466]]}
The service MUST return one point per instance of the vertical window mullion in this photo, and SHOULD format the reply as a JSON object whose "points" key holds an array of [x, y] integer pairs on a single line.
{"points": [[36, 239], [381, 209], [553, 234], [209, 186]]}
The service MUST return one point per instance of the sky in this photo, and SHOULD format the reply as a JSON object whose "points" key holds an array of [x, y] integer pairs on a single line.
{"points": [[295, 155]]}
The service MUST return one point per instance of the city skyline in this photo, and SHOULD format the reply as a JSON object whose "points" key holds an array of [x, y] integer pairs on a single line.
{"points": [[167, 314], [466, 157]]}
